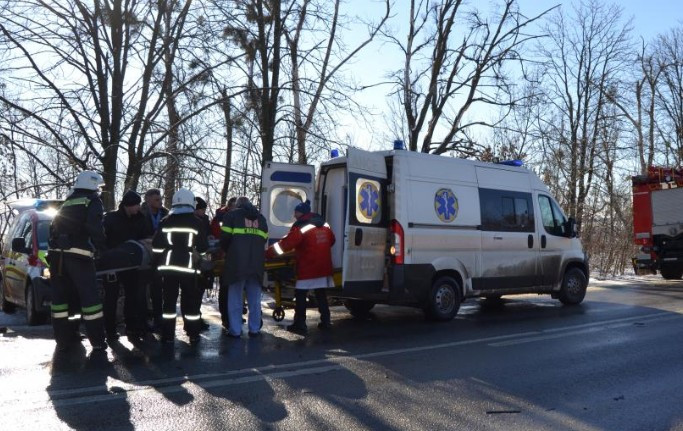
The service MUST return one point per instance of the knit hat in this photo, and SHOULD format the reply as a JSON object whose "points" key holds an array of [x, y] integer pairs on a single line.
{"points": [[130, 199], [303, 207], [201, 203]]}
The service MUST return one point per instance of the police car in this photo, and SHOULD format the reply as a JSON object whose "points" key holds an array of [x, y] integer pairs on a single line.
{"points": [[23, 259], [429, 231]]}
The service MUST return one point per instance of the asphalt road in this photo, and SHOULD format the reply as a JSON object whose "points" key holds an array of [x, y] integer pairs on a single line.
{"points": [[613, 363]]}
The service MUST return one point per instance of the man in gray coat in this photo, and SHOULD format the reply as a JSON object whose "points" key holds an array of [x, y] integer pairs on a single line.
{"points": [[244, 233]]}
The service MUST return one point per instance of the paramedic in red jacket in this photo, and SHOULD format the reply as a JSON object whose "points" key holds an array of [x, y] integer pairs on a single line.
{"points": [[311, 239]]}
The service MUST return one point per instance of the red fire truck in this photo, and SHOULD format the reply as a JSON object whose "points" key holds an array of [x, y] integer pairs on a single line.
{"points": [[658, 222]]}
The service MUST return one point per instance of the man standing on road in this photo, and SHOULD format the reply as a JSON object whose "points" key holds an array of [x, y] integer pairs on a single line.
{"points": [[179, 243], [312, 239], [153, 211], [244, 236], [222, 287], [76, 234], [126, 223]]}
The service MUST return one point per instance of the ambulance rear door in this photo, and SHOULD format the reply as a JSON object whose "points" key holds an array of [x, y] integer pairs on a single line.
{"points": [[365, 233], [283, 187]]}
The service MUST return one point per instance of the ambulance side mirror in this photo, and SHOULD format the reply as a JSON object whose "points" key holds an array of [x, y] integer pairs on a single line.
{"points": [[570, 228], [19, 245]]}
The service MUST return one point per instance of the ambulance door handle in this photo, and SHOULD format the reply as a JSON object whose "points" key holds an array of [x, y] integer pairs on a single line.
{"points": [[358, 238], [498, 238], [530, 241], [543, 241]]}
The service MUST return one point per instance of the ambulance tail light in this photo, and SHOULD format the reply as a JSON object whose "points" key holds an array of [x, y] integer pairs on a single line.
{"points": [[397, 243]]}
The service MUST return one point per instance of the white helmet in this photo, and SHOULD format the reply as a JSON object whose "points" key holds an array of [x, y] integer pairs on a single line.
{"points": [[89, 180], [183, 197]]}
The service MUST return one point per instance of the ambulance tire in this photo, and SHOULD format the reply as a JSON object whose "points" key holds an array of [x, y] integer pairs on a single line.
{"points": [[444, 299], [5, 305], [33, 316], [671, 272], [573, 288], [358, 308]]}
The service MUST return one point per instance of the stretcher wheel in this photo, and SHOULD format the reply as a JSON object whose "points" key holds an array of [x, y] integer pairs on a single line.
{"points": [[279, 314]]}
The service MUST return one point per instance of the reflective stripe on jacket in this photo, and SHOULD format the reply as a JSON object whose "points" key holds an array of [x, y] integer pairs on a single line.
{"points": [[179, 242]]}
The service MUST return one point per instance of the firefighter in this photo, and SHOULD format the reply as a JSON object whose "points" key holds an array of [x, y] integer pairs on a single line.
{"points": [[76, 234], [222, 287], [126, 223], [312, 239], [243, 238], [153, 211], [206, 274], [179, 244]]}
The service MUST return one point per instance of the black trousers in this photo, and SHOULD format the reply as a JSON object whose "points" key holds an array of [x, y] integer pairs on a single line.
{"points": [[134, 306], [156, 295], [190, 303], [73, 279], [300, 307]]}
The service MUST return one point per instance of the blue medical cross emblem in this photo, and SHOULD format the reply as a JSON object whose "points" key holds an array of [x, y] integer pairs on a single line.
{"points": [[446, 205], [368, 200]]}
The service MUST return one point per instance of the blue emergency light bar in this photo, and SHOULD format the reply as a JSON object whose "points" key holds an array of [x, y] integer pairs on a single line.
{"points": [[37, 204], [516, 162]]}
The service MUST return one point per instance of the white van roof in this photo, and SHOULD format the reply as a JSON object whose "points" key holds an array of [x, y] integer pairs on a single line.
{"points": [[432, 166]]}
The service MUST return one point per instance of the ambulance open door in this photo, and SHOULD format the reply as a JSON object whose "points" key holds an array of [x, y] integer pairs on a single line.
{"points": [[283, 187], [365, 233]]}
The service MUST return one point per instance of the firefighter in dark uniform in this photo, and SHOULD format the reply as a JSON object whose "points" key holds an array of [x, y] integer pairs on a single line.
{"points": [[76, 234], [126, 223], [180, 243]]}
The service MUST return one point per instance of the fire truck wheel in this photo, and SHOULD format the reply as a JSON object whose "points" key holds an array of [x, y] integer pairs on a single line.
{"points": [[671, 272], [444, 299], [573, 288]]}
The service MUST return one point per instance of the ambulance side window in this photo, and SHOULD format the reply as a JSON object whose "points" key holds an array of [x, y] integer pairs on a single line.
{"points": [[551, 215], [506, 211]]}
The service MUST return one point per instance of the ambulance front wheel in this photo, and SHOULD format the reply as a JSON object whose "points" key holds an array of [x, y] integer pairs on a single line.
{"points": [[279, 314], [444, 299], [574, 284]]}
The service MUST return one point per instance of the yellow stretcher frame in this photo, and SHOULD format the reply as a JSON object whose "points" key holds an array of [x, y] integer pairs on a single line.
{"points": [[271, 268], [278, 265]]}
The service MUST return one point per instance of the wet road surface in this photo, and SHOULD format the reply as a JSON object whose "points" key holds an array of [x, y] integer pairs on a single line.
{"points": [[613, 363]]}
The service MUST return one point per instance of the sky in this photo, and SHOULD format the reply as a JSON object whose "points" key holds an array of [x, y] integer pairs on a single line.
{"points": [[649, 18]]}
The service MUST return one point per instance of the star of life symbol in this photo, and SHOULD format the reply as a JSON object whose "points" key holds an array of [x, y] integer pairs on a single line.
{"points": [[446, 205], [368, 200]]}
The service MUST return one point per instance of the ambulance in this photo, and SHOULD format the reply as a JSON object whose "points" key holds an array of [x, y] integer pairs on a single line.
{"points": [[430, 231]]}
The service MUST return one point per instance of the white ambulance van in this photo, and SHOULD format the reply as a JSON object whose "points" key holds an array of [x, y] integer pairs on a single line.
{"points": [[429, 231]]}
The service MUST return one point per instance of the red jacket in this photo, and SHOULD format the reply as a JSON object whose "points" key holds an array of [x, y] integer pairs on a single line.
{"points": [[216, 222], [311, 239]]}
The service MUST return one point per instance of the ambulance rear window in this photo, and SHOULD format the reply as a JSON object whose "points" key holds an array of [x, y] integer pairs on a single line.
{"points": [[283, 201]]}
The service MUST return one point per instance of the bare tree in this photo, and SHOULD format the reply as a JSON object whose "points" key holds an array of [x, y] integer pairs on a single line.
{"points": [[324, 66], [112, 50], [670, 93], [443, 78], [583, 56]]}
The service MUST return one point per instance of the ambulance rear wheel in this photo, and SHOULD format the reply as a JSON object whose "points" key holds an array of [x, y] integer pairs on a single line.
{"points": [[358, 308], [444, 299], [671, 272]]}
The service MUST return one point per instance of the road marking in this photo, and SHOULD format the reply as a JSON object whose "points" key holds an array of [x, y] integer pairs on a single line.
{"points": [[116, 390], [585, 330]]}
